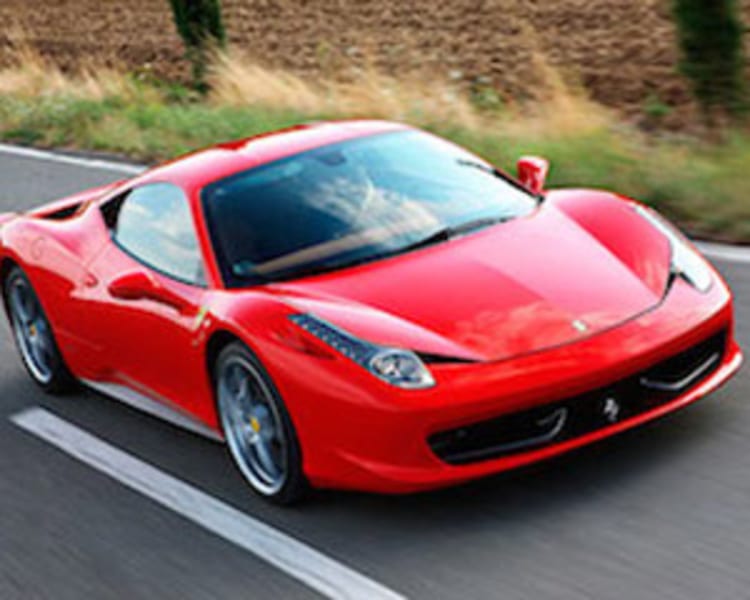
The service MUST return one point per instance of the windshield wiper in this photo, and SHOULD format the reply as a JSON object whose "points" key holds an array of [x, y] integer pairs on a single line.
{"points": [[494, 172], [478, 165], [448, 233]]}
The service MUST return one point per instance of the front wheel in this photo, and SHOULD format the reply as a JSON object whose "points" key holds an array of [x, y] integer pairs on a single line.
{"points": [[257, 427], [34, 336]]}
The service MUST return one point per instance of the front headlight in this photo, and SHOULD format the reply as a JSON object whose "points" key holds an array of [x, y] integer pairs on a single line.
{"points": [[686, 261], [401, 368]]}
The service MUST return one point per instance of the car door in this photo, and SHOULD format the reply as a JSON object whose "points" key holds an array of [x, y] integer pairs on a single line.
{"points": [[145, 301]]}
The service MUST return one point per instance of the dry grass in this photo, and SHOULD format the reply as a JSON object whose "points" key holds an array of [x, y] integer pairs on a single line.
{"points": [[237, 81], [563, 111], [30, 76]]}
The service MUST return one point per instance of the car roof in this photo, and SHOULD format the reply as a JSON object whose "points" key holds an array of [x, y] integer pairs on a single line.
{"points": [[195, 171]]}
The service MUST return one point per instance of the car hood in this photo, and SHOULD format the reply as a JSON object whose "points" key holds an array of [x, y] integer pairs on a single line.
{"points": [[566, 272]]}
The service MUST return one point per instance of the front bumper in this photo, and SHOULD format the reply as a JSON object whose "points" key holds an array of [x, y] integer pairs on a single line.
{"points": [[357, 433]]}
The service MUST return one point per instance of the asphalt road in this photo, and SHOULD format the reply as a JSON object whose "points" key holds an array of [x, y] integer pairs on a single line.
{"points": [[662, 512]]}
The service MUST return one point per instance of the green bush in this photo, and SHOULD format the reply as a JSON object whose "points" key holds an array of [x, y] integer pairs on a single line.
{"points": [[710, 33], [200, 26]]}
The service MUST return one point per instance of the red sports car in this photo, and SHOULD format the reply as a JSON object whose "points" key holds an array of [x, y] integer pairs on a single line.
{"points": [[364, 305]]}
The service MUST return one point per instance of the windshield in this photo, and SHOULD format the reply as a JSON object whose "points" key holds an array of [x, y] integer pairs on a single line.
{"points": [[349, 203]]}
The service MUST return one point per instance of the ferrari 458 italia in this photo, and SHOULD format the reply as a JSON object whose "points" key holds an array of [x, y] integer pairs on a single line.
{"points": [[364, 305]]}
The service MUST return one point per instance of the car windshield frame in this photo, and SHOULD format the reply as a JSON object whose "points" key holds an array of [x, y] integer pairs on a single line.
{"points": [[235, 276]]}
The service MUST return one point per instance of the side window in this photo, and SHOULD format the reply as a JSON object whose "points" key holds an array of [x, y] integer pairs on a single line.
{"points": [[153, 223]]}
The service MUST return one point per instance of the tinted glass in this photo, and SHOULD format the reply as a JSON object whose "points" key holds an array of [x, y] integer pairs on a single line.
{"points": [[351, 202], [154, 225]]}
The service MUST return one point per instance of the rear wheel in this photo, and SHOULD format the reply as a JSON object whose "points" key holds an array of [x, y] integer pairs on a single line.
{"points": [[33, 334], [257, 427]]}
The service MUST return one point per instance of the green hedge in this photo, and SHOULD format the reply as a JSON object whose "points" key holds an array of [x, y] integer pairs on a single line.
{"points": [[200, 25], [710, 33]]}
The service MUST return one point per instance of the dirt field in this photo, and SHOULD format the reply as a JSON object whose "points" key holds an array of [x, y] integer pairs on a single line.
{"points": [[138, 34], [623, 52]]}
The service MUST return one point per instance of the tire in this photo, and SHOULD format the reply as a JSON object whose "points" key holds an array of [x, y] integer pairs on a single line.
{"points": [[34, 336], [259, 433]]}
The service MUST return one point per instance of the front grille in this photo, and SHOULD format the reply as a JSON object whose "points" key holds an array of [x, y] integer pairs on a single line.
{"points": [[579, 415]]}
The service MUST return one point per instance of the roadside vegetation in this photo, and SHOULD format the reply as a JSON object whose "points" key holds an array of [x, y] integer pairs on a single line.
{"points": [[200, 26], [712, 55], [702, 185]]}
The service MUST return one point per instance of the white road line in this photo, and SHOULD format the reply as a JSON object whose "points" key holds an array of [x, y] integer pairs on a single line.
{"points": [[736, 254], [311, 567], [87, 163]]}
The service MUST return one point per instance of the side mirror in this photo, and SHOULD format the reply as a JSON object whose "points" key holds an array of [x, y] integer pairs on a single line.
{"points": [[532, 173], [137, 285]]}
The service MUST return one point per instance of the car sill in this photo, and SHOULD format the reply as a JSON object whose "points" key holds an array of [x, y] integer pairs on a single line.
{"points": [[141, 402]]}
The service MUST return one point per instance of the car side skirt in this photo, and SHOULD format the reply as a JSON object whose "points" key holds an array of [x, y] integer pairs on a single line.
{"points": [[160, 410]]}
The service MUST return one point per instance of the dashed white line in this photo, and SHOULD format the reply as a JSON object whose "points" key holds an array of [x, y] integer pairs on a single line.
{"points": [[313, 568], [87, 163]]}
